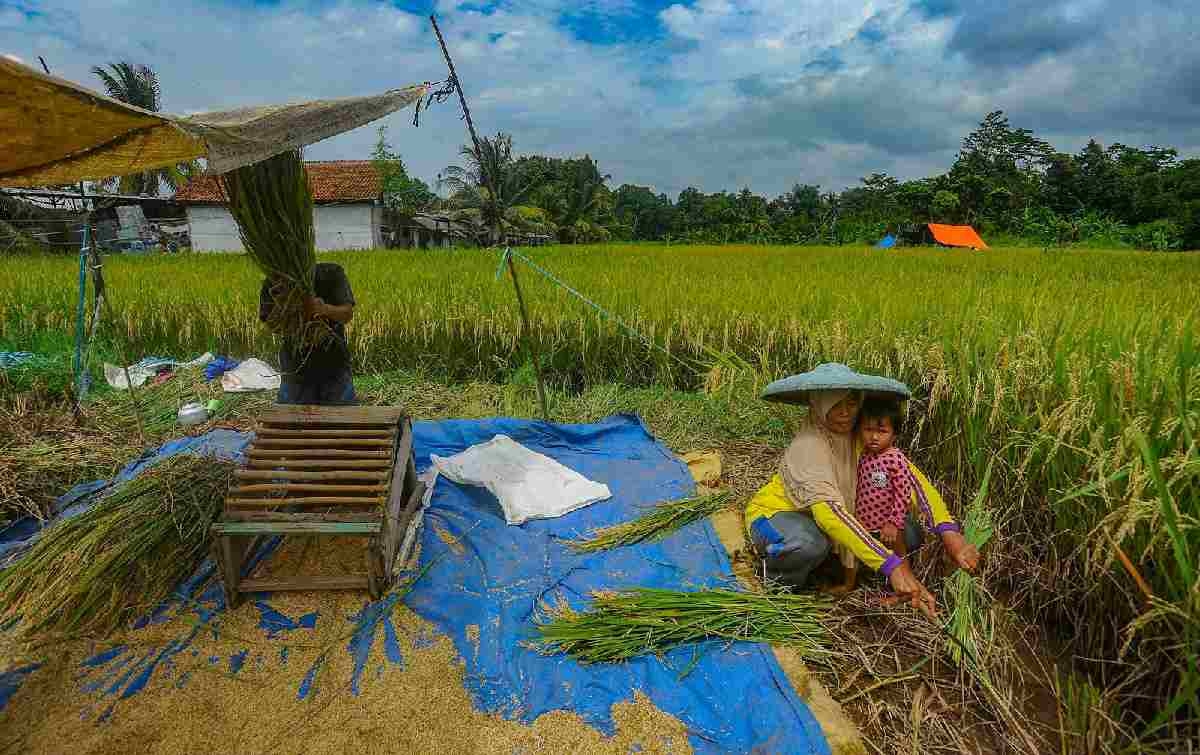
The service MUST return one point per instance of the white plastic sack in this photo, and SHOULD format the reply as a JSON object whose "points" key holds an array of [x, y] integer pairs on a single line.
{"points": [[528, 485], [251, 375], [147, 368]]}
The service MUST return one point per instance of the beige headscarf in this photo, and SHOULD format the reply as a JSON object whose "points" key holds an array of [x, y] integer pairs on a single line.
{"points": [[820, 465]]}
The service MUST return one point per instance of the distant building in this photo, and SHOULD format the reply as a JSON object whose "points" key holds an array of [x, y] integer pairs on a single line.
{"points": [[348, 211], [426, 230]]}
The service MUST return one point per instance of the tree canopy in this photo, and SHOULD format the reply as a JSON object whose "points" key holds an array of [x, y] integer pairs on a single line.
{"points": [[1005, 180]]}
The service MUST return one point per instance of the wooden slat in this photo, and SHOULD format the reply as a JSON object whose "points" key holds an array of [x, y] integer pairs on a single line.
{"points": [[307, 487], [318, 432], [322, 443], [345, 415], [316, 453], [291, 474], [304, 583], [263, 503], [400, 481], [241, 515], [332, 464], [296, 528], [377, 579]]}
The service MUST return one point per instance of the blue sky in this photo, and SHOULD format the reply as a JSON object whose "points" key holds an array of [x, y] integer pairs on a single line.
{"points": [[717, 94]]}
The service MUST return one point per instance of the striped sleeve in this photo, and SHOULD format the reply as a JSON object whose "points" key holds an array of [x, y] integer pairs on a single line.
{"points": [[933, 508], [844, 529]]}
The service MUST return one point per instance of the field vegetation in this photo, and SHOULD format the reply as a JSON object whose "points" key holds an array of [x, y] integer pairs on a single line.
{"points": [[1074, 374]]}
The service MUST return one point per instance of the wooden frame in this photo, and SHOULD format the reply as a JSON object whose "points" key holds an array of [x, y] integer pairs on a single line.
{"points": [[350, 468]]}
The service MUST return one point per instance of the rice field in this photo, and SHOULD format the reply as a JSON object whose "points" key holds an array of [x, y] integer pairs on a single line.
{"points": [[1075, 373]]}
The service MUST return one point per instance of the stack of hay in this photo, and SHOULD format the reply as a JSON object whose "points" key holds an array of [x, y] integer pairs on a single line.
{"points": [[93, 572]]}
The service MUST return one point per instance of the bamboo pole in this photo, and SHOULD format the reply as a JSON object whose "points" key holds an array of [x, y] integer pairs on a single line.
{"points": [[488, 184]]}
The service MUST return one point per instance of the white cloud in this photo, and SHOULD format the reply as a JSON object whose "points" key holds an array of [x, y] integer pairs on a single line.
{"points": [[728, 93]]}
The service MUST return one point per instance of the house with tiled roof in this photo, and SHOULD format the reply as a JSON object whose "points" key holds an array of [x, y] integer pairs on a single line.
{"points": [[347, 211]]}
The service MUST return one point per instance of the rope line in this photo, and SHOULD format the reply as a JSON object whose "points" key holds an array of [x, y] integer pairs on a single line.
{"points": [[629, 329]]}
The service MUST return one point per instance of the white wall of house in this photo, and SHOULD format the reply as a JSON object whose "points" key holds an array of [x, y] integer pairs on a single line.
{"points": [[345, 226], [211, 229], [338, 226]]}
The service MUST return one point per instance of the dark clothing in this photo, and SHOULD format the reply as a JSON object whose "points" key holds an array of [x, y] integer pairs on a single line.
{"points": [[800, 546], [338, 389], [320, 372]]}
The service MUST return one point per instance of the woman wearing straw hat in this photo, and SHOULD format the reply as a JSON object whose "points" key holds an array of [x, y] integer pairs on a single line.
{"points": [[807, 509]]}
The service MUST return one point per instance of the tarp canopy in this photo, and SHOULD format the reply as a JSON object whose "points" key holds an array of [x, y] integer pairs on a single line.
{"points": [[53, 131], [956, 235]]}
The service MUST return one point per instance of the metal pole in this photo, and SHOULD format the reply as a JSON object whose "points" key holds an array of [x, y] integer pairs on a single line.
{"points": [[533, 350]]}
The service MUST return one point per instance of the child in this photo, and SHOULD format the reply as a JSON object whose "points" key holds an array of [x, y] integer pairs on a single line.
{"points": [[885, 485]]}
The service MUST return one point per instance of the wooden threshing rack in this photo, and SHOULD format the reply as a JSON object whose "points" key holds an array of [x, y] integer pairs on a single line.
{"points": [[322, 471]]}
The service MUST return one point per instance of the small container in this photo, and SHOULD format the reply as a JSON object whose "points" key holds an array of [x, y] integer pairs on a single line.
{"points": [[192, 414]]}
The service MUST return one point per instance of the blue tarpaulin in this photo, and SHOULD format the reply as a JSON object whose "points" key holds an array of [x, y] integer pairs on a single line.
{"points": [[487, 582], [483, 583], [887, 242]]}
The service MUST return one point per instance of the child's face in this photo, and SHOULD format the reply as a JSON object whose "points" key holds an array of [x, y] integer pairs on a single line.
{"points": [[877, 434]]}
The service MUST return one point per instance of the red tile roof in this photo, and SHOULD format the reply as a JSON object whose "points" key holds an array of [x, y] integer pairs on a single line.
{"points": [[330, 181]]}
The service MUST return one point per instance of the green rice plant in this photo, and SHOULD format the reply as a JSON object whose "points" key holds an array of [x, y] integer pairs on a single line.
{"points": [[968, 623], [1087, 717], [1184, 613], [1045, 363], [94, 571], [662, 520], [620, 626]]}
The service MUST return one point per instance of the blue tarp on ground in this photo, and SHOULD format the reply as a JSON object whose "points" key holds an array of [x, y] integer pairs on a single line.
{"points": [[887, 242], [486, 581]]}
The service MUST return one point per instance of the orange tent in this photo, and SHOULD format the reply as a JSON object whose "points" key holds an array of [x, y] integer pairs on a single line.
{"points": [[956, 235]]}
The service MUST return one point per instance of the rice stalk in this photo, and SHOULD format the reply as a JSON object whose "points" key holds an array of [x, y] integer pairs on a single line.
{"points": [[659, 522], [641, 621], [273, 206], [968, 623], [92, 572]]}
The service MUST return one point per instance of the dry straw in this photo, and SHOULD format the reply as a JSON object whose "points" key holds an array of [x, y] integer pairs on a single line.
{"points": [[90, 573]]}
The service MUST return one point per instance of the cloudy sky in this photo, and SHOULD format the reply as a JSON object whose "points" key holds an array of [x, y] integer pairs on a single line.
{"points": [[716, 94]]}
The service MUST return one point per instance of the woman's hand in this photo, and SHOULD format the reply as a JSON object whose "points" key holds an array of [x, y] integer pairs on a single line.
{"points": [[910, 589], [962, 553]]}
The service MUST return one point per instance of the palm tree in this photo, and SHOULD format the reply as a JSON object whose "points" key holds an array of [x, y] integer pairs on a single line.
{"points": [[488, 189], [137, 85], [583, 196]]}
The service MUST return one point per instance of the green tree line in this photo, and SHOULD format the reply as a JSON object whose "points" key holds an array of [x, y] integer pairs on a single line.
{"points": [[1005, 181]]}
